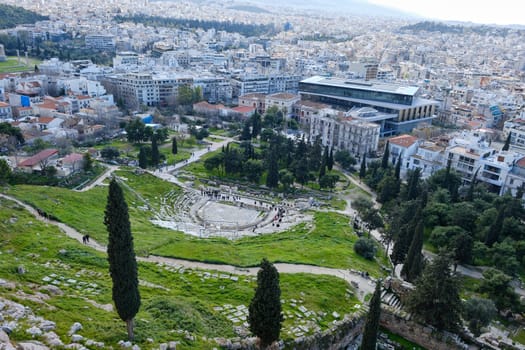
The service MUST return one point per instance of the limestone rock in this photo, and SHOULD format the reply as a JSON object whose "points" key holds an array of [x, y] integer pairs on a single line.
{"points": [[75, 328], [32, 346], [34, 331]]}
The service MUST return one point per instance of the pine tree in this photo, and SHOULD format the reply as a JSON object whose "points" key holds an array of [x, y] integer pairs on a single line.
{"points": [[143, 158], [155, 155], [265, 316], [362, 171], [414, 261], [174, 148], [121, 257], [372, 320], [330, 161], [506, 146], [435, 299], [324, 159], [386, 156]]}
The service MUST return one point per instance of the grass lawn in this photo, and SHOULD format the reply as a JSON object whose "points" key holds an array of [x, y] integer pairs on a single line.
{"points": [[174, 301], [12, 65], [328, 241], [519, 337]]}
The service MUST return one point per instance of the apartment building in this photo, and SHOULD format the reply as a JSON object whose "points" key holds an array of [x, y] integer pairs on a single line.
{"points": [[100, 42]]}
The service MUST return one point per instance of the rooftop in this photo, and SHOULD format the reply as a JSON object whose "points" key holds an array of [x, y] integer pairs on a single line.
{"points": [[37, 158], [363, 85], [403, 140]]}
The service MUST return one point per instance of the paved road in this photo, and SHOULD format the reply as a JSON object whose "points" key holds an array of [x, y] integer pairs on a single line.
{"points": [[365, 285], [100, 179]]}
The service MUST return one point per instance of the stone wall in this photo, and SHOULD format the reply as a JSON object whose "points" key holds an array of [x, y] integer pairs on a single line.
{"points": [[339, 336], [426, 337]]}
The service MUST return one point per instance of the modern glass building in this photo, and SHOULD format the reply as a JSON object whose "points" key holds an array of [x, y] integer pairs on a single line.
{"points": [[399, 107]]}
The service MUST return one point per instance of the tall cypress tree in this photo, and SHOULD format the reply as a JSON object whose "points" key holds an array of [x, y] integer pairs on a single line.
{"points": [[155, 155], [265, 317], [470, 194], [362, 171], [405, 234], [413, 184], [330, 161], [256, 124], [386, 156], [397, 170], [121, 257], [414, 261], [506, 146], [143, 158], [372, 320], [174, 148], [272, 179], [495, 228]]}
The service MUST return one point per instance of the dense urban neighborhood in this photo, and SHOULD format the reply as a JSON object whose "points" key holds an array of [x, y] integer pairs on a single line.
{"points": [[233, 175]]}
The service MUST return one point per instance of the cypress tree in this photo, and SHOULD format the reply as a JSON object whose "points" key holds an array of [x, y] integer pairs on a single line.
{"points": [[405, 234], [397, 170], [362, 171], [414, 261], [325, 156], [330, 161], [386, 155], [264, 315], [121, 257], [322, 169], [470, 194], [272, 179], [246, 133], [413, 185], [372, 320], [155, 156], [495, 228], [174, 148], [506, 146], [143, 158], [256, 124]]}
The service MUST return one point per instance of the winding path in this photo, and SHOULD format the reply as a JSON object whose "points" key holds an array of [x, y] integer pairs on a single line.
{"points": [[365, 285]]}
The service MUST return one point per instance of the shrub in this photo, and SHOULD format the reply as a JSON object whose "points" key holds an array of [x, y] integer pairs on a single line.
{"points": [[365, 247]]}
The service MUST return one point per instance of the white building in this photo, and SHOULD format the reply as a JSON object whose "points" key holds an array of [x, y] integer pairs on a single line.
{"points": [[343, 133]]}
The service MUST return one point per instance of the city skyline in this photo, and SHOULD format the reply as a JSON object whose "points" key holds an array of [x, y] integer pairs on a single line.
{"points": [[462, 10]]}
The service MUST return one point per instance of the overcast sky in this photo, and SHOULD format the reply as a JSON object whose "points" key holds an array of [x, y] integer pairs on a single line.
{"points": [[478, 11]]}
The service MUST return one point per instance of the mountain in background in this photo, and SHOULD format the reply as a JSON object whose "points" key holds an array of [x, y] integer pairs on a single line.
{"points": [[356, 7]]}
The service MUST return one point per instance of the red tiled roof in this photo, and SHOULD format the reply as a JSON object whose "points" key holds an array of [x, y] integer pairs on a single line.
{"points": [[72, 158], [403, 140], [37, 158], [45, 120], [243, 109]]}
